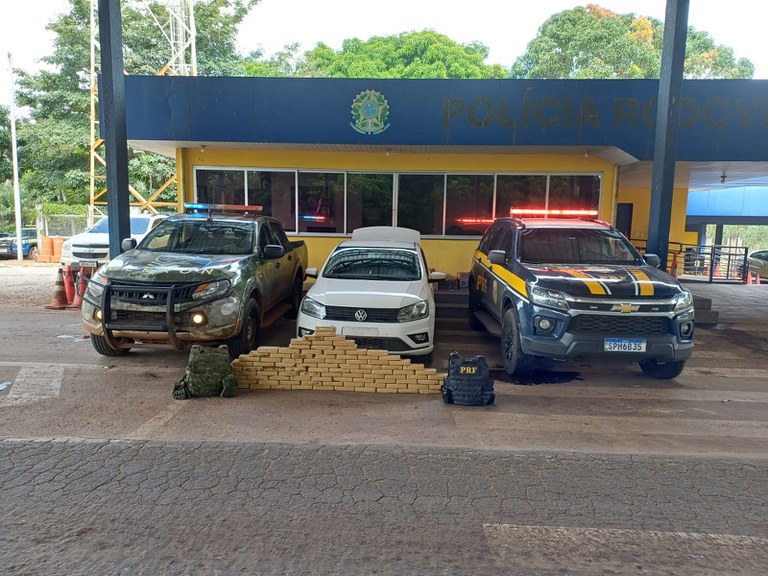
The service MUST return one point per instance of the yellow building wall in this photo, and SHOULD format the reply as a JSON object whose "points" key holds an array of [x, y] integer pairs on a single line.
{"points": [[451, 256], [640, 198]]}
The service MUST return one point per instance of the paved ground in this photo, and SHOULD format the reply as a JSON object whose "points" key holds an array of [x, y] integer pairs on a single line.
{"points": [[585, 470]]}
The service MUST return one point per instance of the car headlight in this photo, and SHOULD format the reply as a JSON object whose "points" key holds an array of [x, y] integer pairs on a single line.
{"points": [[413, 312], [313, 308], [548, 298], [67, 245], [684, 301], [95, 287], [211, 290]]}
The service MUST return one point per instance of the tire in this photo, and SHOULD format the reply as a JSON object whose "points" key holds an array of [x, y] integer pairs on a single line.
{"points": [[516, 363], [474, 306], [295, 299], [32, 254], [246, 340], [101, 345], [653, 369]]}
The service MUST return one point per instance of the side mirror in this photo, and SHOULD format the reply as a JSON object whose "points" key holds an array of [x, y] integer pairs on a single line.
{"points": [[436, 276], [653, 260], [273, 251], [128, 244], [497, 257], [311, 272]]}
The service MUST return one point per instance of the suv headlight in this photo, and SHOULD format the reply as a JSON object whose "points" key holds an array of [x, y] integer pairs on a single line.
{"points": [[211, 290], [313, 308], [548, 298], [684, 302], [415, 311]]}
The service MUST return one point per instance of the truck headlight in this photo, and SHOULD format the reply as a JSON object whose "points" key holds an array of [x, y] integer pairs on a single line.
{"points": [[413, 312], [684, 302], [67, 245], [313, 308], [95, 287], [548, 298], [211, 290]]}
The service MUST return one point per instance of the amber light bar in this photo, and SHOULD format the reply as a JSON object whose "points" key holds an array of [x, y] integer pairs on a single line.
{"points": [[543, 212], [475, 220]]}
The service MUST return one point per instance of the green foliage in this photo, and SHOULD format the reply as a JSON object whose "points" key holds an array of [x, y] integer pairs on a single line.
{"points": [[54, 141], [281, 64], [146, 50], [6, 158], [752, 237], [51, 208], [424, 54], [593, 42]]}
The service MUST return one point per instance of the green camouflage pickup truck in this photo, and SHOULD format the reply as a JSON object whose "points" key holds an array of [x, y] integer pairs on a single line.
{"points": [[200, 277]]}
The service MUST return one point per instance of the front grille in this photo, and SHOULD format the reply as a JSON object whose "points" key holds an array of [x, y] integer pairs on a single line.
{"points": [[347, 314], [150, 294], [91, 254], [626, 325], [389, 344]]}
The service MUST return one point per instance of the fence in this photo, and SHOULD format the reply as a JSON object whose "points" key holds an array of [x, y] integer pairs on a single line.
{"points": [[65, 225], [710, 263]]}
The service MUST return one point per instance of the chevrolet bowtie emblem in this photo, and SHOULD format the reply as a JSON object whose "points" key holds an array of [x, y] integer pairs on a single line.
{"points": [[625, 308]]}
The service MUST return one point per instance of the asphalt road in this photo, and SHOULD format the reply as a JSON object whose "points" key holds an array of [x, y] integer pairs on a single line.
{"points": [[583, 470]]}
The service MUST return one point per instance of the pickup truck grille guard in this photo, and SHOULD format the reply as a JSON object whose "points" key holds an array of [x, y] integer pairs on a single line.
{"points": [[163, 297]]}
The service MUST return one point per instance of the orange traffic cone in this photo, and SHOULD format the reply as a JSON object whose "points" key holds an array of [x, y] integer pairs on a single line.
{"points": [[673, 268], [69, 283], [82, 284], [59, 300]]}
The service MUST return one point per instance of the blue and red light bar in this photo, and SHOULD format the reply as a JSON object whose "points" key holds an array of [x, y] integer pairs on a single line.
{"points": [[203, 206]]}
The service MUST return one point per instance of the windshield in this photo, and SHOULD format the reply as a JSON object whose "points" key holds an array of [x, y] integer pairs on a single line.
{"points": [[138, 226], [373, 264], [200, 237], [576, 246]]}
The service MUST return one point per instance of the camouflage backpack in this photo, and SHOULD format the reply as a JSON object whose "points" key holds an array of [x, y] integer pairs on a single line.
{"points": [[208, 373]]}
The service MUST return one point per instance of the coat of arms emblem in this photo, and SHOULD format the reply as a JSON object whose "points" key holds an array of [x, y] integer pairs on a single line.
{"points": [[369, 112]]}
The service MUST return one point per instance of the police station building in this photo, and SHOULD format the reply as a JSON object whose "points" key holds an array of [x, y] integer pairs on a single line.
{"points": [[445, 157]]}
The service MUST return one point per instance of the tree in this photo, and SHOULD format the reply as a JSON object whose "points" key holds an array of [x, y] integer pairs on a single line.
{"points": [[593, 42], [54, 139], [424, 54], [6, 160]]}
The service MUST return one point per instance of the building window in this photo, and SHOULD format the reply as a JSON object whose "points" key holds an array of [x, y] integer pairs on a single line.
{"points": [[369, 200], [420, 202], [274, 192], [579, 192], [468, 204], [520, 191], [321, 202], [220, 186], [433, 204]]}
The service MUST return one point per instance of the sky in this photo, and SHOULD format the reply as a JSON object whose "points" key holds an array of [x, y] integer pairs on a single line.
{"points": [[504, 26]]}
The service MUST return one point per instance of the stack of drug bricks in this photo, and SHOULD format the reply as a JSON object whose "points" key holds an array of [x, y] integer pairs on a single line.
{"points": [[327, 361]]}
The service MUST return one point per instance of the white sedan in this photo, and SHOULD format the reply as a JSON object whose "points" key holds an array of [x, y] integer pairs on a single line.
{"points": [[375, 289]]}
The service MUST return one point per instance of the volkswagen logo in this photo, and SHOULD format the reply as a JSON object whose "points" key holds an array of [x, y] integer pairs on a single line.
{"points": [[361, 315]]}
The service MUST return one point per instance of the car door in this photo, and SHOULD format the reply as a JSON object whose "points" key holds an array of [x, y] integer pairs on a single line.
{"points": [[267, 273], [285, 265]]}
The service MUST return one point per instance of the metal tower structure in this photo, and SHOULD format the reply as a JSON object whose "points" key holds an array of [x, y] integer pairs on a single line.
{"points": [[179, 31]]}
